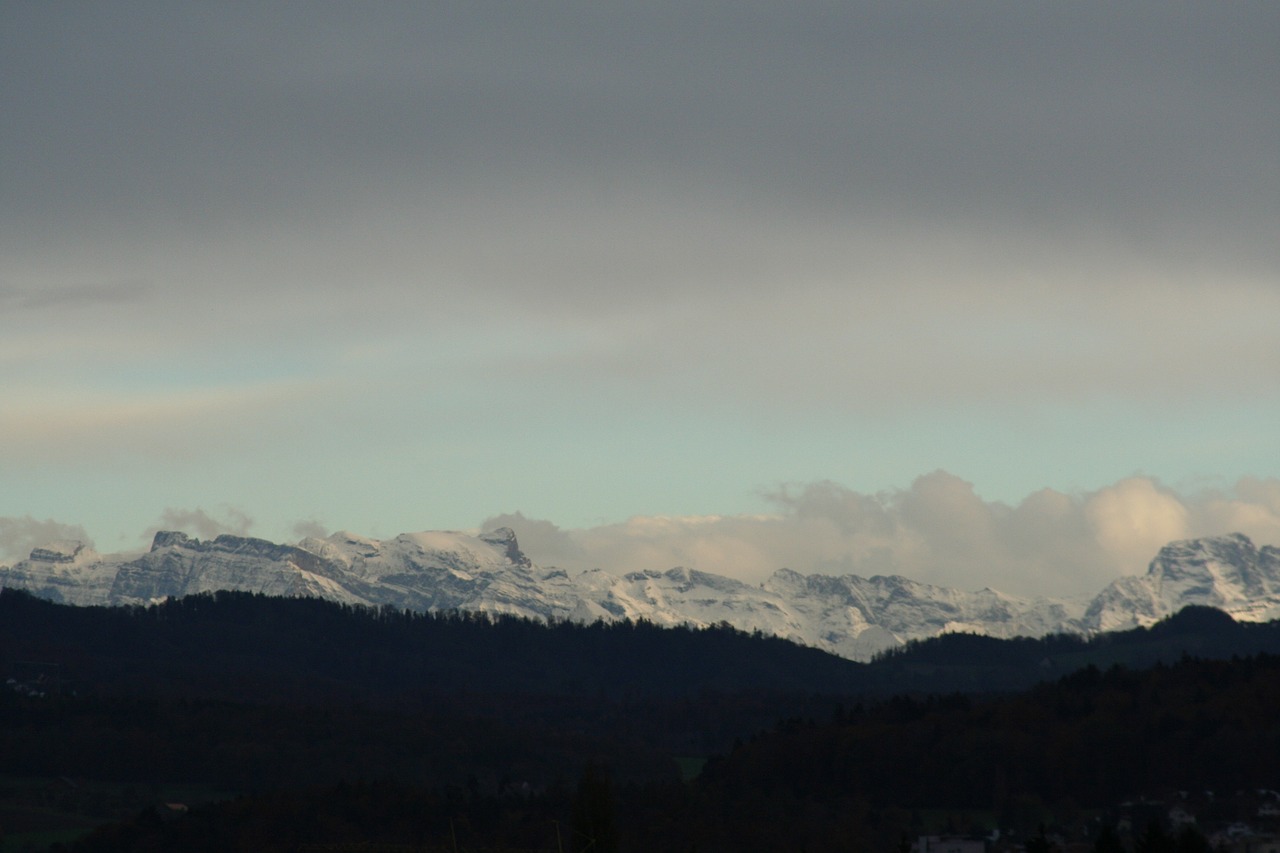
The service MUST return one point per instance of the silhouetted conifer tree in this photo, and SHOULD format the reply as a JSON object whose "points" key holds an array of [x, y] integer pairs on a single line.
{"points": [[1108, 841], [1192, 840], [1154, 840], [594, 829], [1039, 843]]}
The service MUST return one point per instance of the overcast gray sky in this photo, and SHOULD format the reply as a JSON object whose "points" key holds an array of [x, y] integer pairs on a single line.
{"points": [[387, 267]]}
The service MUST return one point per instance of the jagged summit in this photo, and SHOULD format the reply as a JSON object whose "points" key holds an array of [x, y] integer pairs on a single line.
{"points": [[851, 616], [226, 543], [169, 538], [505, 538]]}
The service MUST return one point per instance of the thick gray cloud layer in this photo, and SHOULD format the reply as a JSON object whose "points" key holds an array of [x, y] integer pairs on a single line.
{"points": [[323, 254], [1150, 120]]}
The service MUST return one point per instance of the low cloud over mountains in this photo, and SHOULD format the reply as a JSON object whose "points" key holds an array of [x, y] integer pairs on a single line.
{"points": [[19, 535], [936, 531]]}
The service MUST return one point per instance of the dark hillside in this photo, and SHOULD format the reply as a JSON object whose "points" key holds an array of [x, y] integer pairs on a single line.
{"points": [[242, 646], [973, 663], [246, 692], [1092, 738], [488, 720], [862, 781]]}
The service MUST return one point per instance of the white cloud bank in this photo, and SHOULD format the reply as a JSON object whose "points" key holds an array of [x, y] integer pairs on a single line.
{"points": [[19, 535], [937, 531]]}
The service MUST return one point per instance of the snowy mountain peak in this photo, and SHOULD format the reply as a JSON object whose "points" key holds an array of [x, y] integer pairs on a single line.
{"points": [[1226, 572], [1217, 566], [849, 615]]}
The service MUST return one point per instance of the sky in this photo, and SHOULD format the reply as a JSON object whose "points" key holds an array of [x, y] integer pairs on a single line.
{"points": [[986, 294]]}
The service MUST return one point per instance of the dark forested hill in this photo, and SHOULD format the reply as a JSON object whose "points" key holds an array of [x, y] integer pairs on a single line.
{"points": [[1086, 741], [247, 692], [244, 646], [861, 780], [972, 663], [492, 718]]}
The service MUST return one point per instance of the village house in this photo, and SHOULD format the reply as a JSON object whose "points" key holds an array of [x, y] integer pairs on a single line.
{"points": [[950, 844]]}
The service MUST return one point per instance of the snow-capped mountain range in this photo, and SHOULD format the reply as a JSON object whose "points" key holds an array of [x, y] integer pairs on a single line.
{"points": [[851, 616]]}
